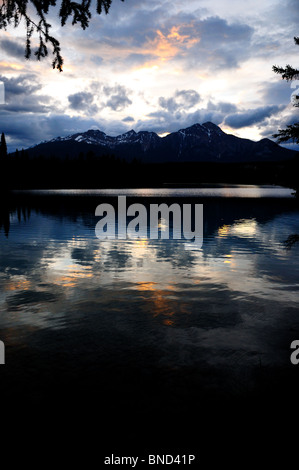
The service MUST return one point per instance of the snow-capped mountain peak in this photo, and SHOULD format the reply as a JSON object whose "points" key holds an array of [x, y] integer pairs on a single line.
{"points": [[199, 142]]}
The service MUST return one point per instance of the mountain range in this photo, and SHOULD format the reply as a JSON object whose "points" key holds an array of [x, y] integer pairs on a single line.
{"points": [[198, 143]]}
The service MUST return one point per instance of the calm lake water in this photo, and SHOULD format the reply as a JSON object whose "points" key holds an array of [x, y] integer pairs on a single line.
{"points": [[148, 326]]}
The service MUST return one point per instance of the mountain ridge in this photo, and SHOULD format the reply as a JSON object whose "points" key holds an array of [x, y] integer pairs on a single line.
{"points": [[205, 142]]}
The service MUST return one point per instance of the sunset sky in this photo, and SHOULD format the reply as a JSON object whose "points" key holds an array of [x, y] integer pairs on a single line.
{"points": [[159, 65]]}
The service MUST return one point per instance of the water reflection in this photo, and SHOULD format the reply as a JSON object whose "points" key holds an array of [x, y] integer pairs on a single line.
{"points": [[229, 305], [205, 190]]}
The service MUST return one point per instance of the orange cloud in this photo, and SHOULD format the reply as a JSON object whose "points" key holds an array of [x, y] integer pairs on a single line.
{"points": [[167, 46], [11, 65]]}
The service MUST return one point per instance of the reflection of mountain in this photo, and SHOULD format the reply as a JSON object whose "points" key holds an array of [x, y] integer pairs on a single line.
{"points": [[218, 212], [198, 143]]}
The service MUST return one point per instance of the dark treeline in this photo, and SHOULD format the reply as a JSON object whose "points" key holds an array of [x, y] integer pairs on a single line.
{"points": [[89, 170], [20, 206]]}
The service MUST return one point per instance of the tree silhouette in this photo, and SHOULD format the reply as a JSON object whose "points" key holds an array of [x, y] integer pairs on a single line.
{"points": [[289, 73], [3, 147], [12, 12]]}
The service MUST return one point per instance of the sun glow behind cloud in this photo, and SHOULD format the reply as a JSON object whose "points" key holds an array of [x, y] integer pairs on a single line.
{"points": [[166, 46]]}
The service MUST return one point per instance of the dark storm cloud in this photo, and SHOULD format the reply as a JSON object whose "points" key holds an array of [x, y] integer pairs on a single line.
{"points": [[118, 97], [183, 99], [12, 48], [251, 116]]}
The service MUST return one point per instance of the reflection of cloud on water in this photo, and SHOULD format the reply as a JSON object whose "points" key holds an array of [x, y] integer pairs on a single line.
{"points": [[19, 299], [245, 228], [54, 272], [241, 228], [257, 260], [162, 302], [18, 283]]}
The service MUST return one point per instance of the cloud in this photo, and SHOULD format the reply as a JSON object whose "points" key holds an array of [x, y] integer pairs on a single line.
{"points": [[286, 15], [21, 85], [251, 116], [139, 59], [80, 100], [96, 59], [222, 107], [288, 117], [128, 119], [171, 42], [23, 133], [140, 35], [12, 48], [174, 57], [118, 97], [99, 96], [21, 96], [222, 45], [183, 99], [165, 121], [277, 93], [83, 101], [181, 111], [211, 43]]}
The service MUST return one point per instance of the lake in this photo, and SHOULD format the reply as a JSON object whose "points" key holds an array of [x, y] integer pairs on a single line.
{"points": [[129, 331]]}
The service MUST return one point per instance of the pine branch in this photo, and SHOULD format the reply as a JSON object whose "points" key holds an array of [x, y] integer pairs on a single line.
{"points": [[288, 73], [291, 133], [14, 11]]}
